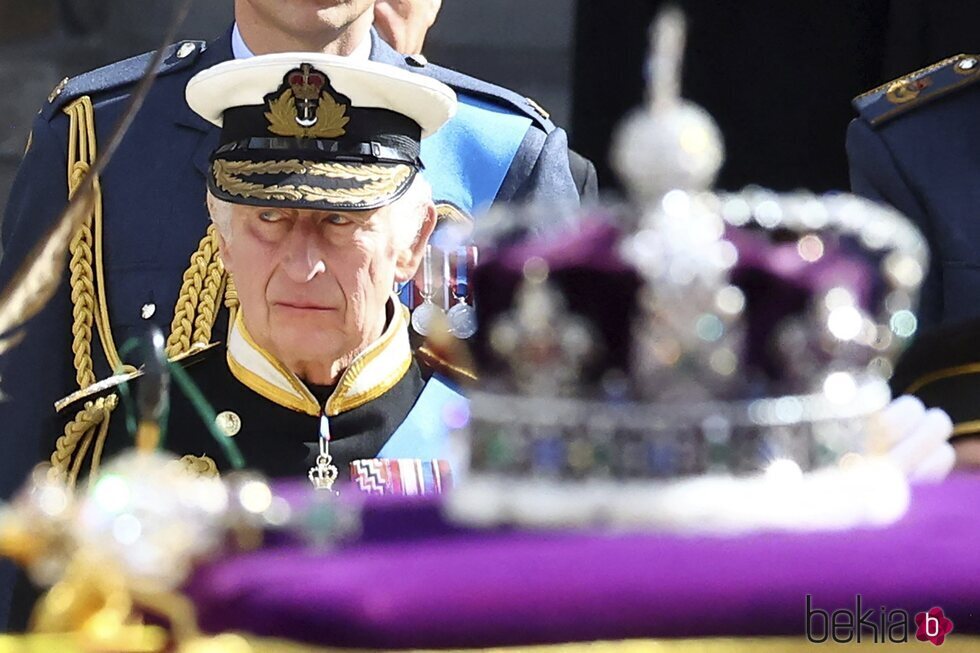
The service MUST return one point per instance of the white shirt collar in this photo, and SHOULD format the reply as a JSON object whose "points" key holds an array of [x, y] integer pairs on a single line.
{"points": [[238, 47], [241, 51]]}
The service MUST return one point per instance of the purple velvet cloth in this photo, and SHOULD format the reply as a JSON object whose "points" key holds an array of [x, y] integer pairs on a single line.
{"points": [[447, 587]]}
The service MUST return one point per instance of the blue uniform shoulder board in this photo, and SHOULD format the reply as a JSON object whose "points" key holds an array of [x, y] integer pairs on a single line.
{"points": [[483, 90], [899, 96], [121, 73]]}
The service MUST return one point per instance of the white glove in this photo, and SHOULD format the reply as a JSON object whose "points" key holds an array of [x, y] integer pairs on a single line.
{"points": [[915, 439]]}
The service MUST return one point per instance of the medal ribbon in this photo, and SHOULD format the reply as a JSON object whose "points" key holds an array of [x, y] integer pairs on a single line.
{"points": [[427, 273], [401, 476], [465, 257], [324, 435]]}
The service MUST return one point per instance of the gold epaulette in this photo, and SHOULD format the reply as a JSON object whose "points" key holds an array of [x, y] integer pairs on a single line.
{"points": [[449, 212], [901, 95]]}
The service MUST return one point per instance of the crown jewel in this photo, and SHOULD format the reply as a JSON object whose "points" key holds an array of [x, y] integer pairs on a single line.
{"points": [[693, 344]]}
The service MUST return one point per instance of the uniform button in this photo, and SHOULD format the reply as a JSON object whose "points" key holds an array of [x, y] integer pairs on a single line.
{"points": [[228, 423], [186, 50], [417, 60], [56, 91], [148, 310], [968, 64]]}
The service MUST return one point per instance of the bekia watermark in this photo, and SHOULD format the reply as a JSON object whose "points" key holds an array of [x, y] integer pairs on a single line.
{"points": [[878, 626]]}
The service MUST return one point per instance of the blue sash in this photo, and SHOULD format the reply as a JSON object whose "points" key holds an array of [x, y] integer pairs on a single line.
{"points": [[467, 160], [424, 434]]}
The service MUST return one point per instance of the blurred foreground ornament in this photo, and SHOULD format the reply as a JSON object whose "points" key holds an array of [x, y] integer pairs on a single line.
{"points": [[121, 549], [696, 360]]}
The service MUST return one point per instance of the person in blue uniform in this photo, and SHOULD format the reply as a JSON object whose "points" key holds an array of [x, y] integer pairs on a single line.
{"points": [[914, 146]]}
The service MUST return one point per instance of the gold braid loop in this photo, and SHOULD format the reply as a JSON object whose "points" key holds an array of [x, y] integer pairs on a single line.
{"points": [[210, 296], [231, 294], [82, 283], [182, 326], [78, 436], [82, 296], [78, 171]]}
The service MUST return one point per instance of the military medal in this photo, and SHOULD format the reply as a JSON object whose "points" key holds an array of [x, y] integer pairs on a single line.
{"points": [[408, 476], [324, 473], [462, 316], [426, 312]]}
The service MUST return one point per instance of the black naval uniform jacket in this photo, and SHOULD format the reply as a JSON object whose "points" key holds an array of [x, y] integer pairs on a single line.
{"points": [[915, 146], [274, 418]]}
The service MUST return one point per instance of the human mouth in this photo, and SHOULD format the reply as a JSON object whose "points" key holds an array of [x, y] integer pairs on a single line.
{"points": [[303, 306]]}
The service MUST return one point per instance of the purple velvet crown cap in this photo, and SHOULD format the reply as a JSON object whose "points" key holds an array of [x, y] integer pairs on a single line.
{"points": [[585, 265]]}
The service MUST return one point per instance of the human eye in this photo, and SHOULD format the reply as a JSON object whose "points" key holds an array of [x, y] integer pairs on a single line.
{"points": [[270, 216], [338, 219]]}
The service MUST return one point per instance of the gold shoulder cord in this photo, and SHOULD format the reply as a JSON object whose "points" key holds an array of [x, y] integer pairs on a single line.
{"points": [[91, 424], [200, 296], [203, 287], [87, 288]]}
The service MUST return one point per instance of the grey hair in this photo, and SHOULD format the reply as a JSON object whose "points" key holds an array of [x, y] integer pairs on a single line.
{"points": [[220, 211], [406, 213]]}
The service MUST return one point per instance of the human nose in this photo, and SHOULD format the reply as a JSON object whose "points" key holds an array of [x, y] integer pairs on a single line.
{"points": [[302, 260]]}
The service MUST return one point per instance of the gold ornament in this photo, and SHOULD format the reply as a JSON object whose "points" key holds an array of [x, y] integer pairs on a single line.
{"points": [[284, 118]]}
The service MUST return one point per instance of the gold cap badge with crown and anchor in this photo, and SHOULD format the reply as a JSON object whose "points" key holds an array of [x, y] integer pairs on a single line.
{"points": [[304, 108], [315, 131]]}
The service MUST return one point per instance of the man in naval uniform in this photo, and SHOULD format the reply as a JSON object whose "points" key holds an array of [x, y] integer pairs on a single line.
{"points": [[144, 257], [320, 210], [914, 146]]}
